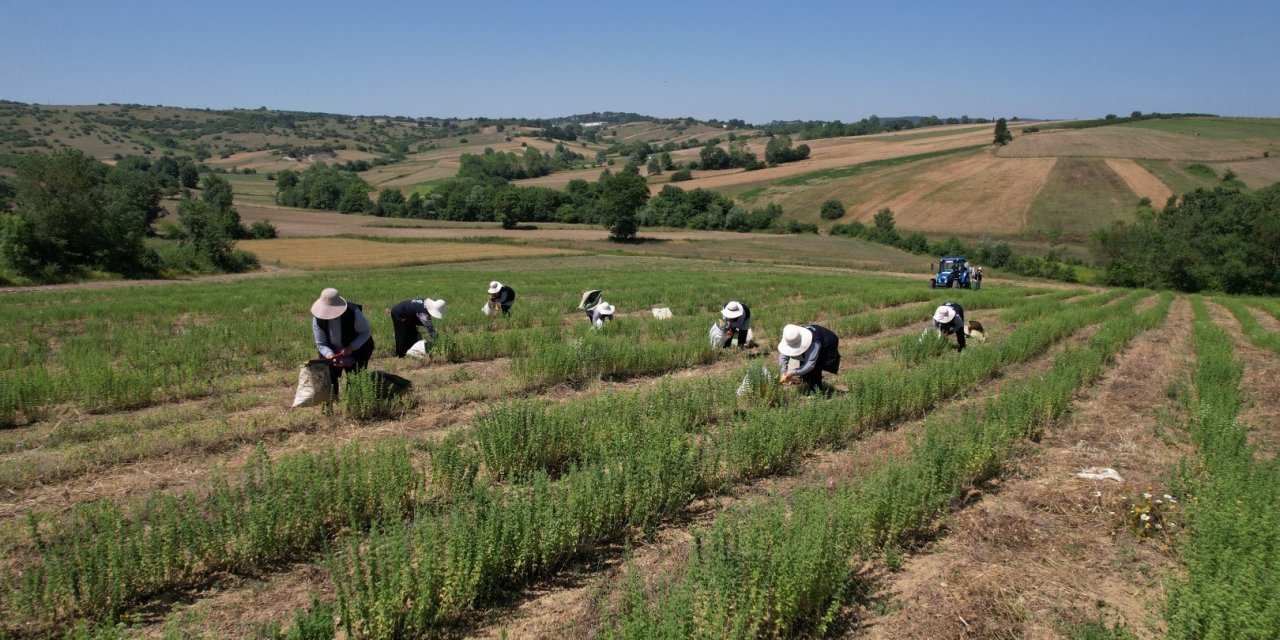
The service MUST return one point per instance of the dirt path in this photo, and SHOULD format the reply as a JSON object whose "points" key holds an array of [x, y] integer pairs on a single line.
{"points": [[266, 271], [1037, 549], [1261, 371]]}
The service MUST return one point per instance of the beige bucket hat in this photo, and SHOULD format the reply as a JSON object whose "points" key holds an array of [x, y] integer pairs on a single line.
{"points": [[795, 340], [604, 309], [329, 305], [495, 286], [732, 310], [435, 308], [943, 314]]}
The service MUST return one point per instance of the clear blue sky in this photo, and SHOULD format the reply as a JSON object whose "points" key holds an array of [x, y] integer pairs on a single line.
{"points": [[758, 61]]}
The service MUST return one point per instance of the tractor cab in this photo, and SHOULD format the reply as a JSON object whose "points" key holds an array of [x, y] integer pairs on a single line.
{"points": [[953, 271]]}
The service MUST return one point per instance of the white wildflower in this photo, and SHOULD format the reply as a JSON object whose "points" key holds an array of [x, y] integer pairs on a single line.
{"points": [[1097, 494], [1147, 496], [1145, 517]]}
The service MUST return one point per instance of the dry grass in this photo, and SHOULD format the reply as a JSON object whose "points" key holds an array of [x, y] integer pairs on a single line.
{"points": [[1130, 142], [1140, 180], [325, 253], [1255, 174]]}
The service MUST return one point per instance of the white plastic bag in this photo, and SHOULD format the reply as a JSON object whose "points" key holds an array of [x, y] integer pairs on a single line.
{"points": [[420, 349], [717, 335], [486, 309], [314, 385], [662, 313]]}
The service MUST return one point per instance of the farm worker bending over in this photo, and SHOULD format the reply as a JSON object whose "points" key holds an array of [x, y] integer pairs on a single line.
{"points": [[599, 313], [948, 319], [818, 350], [342, 334], [408, 315], [501, 297], [737, 320]]}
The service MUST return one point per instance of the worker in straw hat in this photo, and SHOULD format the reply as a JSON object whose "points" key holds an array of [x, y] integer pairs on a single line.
{"points": [[599, 313], [817, 349], [501, 297], [342, 334], [948, 318], [737, 322], [408, 315]]}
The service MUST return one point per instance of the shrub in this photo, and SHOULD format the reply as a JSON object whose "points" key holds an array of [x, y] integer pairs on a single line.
{"points": [[832, 210]]}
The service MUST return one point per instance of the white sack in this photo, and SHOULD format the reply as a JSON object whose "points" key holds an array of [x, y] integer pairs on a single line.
{"points": [[662, 313], [314, 386], [420, 349], [486, 309]]}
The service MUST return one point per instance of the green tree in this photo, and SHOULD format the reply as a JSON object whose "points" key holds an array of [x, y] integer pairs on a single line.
{"points": [[832, 209], [621, 195], [884, 230], [209, 235], [1002, 135]]}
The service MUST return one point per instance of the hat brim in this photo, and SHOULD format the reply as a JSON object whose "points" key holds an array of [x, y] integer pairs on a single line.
{"points": [[326, 311], [943, 315], [605, 309], [806, 340], [434, 310], [495, 289], [730, 315]]}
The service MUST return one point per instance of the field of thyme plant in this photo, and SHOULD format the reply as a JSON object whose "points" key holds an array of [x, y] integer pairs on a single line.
{"points": [[155, 482]]}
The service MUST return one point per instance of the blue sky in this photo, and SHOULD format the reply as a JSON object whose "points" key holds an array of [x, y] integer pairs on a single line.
{"points": [[758, 61]]}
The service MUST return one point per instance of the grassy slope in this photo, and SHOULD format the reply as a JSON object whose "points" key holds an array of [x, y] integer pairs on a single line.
{"points": [[1082, 194]]}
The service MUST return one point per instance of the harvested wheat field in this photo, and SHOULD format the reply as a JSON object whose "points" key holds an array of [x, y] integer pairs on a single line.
{"points": [[1140, 180], [1255, 174], [326, 253], [1130, 142]]}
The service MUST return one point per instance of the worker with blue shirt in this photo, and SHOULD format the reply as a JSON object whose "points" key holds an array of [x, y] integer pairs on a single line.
{"points": [[501, 296], [737, 321], [948, 318], [818, 350], [342, 334], [408, 315]]}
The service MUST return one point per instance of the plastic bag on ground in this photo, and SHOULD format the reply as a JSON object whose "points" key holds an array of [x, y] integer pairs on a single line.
{"points": [[662, 313], [1099, 473], [314, 385], [420, 349], [716, 334], [751, 382], [486, 309]]}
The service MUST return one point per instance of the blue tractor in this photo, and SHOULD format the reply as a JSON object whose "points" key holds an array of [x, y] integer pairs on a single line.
{"points": [[952, 272]]}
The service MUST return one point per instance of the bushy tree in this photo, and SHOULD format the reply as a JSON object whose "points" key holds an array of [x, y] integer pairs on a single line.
{"points": [[1002, 135], [884, 230], [621, 196], [832, 209], [779, 150]]}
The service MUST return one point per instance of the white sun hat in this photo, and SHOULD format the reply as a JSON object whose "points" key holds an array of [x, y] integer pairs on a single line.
{"points": [[435, 308], [732, 310], [329, 305], [795, 340], [495, 286], [604, 309], [944, 314]]}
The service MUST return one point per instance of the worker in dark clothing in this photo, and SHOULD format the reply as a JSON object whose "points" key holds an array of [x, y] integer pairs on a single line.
{"points": [[737, 322], [408, 315], [501, 297], [600, 313], [818, 350], [342, 334], [949, 319]]}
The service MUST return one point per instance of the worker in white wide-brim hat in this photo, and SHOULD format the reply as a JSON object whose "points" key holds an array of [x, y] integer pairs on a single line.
{"points": [[342, 334], [737, 322], [600, 313], [501, 297], [948, 318], [816, 347], [408, 315]]}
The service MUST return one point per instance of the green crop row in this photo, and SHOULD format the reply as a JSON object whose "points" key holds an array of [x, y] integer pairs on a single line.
{"points": [[1231, 588], [784, 567], [81, 573], [412, 579], [1258, 334]]}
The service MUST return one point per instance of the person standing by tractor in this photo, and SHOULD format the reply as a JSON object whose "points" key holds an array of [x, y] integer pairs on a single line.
{"points": [[501, 297], [408, 315], [342, 334], [818, 350], [948, 318], [977, 279], [737, 322]]}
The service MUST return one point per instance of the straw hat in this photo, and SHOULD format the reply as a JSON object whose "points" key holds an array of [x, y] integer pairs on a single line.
{"points": [[732, 310], [435, 308], [495, 286], [604, 309], [329, 305], [795, 340], [944, 314]]}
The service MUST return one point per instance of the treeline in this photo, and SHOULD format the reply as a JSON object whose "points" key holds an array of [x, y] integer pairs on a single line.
{"points": [[815, 129], [66, 215], [1223, 239], [510, 166], [1112, 118], [997, 255]]}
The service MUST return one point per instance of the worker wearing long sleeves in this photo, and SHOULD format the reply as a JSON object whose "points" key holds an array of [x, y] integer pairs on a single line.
{"points": [[949, 319], [818, 350], [342, 334], [737, 319], [501, 296], [408, 315], [599, 313]]}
